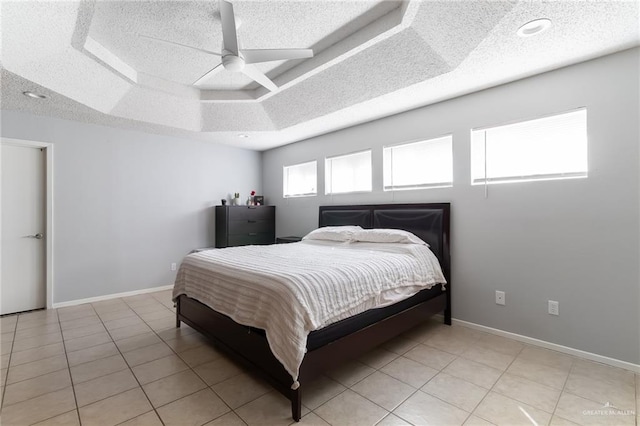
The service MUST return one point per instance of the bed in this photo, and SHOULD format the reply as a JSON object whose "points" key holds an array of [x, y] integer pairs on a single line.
{"points": [[350, 337]]}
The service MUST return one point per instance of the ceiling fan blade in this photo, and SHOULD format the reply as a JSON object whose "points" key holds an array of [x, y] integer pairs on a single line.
{"points": [[254, 56], [229, 36], [258, 76], [208, 74], [179, 44]]}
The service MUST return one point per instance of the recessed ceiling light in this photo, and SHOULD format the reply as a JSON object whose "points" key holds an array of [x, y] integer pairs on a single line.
{"points": [[243, 135], [534, 27], [34, 95]]}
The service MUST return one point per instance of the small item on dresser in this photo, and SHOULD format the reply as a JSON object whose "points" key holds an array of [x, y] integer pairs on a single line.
{"points": [[236, 199], [258, 200], [223, 201]]}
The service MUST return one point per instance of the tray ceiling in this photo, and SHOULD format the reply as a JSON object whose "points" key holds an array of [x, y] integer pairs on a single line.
{"points": [[372, 59]]}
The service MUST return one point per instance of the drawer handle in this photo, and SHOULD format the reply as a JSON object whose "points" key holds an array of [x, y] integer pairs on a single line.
{"points": [[251, 221], [253, 234]]}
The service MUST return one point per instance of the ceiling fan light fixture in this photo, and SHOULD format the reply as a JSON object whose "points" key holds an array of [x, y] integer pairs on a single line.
{"points": [[233, 63], [534, 27], [34, 95]]}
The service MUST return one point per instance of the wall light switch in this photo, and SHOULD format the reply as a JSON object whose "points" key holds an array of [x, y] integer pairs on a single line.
{"points": [[173, 266], [500, 298], [554, 307]]}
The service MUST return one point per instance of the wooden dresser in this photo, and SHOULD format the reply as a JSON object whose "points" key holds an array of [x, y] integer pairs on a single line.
{"points": [[245, 225]]}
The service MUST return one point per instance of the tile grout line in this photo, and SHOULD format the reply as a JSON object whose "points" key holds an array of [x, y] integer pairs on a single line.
{"points": [[457, 356], [562, 390], [73, 388], [493, 386], [441, 370], [125, 360], [232, 410], [175, 353], [70, 379], [437, 397], [190, 368], [130, 369], [564, 385], [348, 387], [68, 367], [419, 389], [389, 412], [375, 369], [39, 375], [330, 399], [573, 359], [6, 378], [244, 371], [37, 337], [34, 337], [579, 396], [26, 363], [382, 372], [172, 350]]}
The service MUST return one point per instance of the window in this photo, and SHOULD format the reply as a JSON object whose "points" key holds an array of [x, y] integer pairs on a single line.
{"points": [[348, 173], [552, 147], [424, 164], [300, 180]]}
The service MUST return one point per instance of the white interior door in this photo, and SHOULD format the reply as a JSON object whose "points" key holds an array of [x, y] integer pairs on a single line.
{"points": [[23, 177]]}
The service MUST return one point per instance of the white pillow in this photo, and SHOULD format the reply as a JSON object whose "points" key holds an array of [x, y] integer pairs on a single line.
{"points": [[333, 233], [387, 236]]}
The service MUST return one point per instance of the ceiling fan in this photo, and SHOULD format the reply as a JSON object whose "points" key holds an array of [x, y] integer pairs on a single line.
{"points": [[241, 60]]}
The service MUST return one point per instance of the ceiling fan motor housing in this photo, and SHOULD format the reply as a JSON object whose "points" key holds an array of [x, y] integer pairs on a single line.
{"points": [[232, 62]]}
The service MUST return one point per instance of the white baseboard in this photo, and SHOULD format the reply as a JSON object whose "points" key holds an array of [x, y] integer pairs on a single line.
{"points": [[111, 296], [553, 346]]}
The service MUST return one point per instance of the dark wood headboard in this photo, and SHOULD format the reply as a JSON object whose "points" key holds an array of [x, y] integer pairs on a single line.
{"points": [[430, 222]]}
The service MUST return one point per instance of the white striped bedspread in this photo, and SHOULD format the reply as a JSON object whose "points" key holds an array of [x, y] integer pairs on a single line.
{"points": [[289, 290]]}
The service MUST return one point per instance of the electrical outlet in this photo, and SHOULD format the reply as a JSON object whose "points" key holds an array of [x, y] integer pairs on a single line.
{"points": [[554, 307], [173, 266], [500, 298]]}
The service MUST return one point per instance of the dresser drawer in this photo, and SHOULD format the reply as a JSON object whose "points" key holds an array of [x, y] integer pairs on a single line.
{"points": [[248, 226], [252, 213], [245, 225], [256, 238]]}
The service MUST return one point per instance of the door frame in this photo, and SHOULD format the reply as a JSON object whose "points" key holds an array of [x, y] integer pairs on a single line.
{"points": [[48, 147]]}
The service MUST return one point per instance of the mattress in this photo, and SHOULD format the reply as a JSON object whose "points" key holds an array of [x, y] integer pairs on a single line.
{"points": [[290, 290]]}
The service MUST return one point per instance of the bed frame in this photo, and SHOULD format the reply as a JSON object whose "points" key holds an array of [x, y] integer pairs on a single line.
{"points": [[249, 346]]}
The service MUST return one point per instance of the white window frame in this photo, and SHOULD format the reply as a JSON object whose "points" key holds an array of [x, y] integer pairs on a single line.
{"points": [[475, 166], [428, 185], [328, 173], [285, 180]]}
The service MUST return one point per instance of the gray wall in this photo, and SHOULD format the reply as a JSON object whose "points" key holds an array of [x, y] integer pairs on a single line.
{"points": [[128, 204], [574, 241]]}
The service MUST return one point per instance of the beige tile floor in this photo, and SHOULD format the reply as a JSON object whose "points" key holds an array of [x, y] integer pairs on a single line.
{"points": [[123, 361]]}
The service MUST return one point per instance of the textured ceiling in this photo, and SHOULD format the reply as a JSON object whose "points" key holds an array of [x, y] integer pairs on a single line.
{"points": [[372, 59], [264, 25]]}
